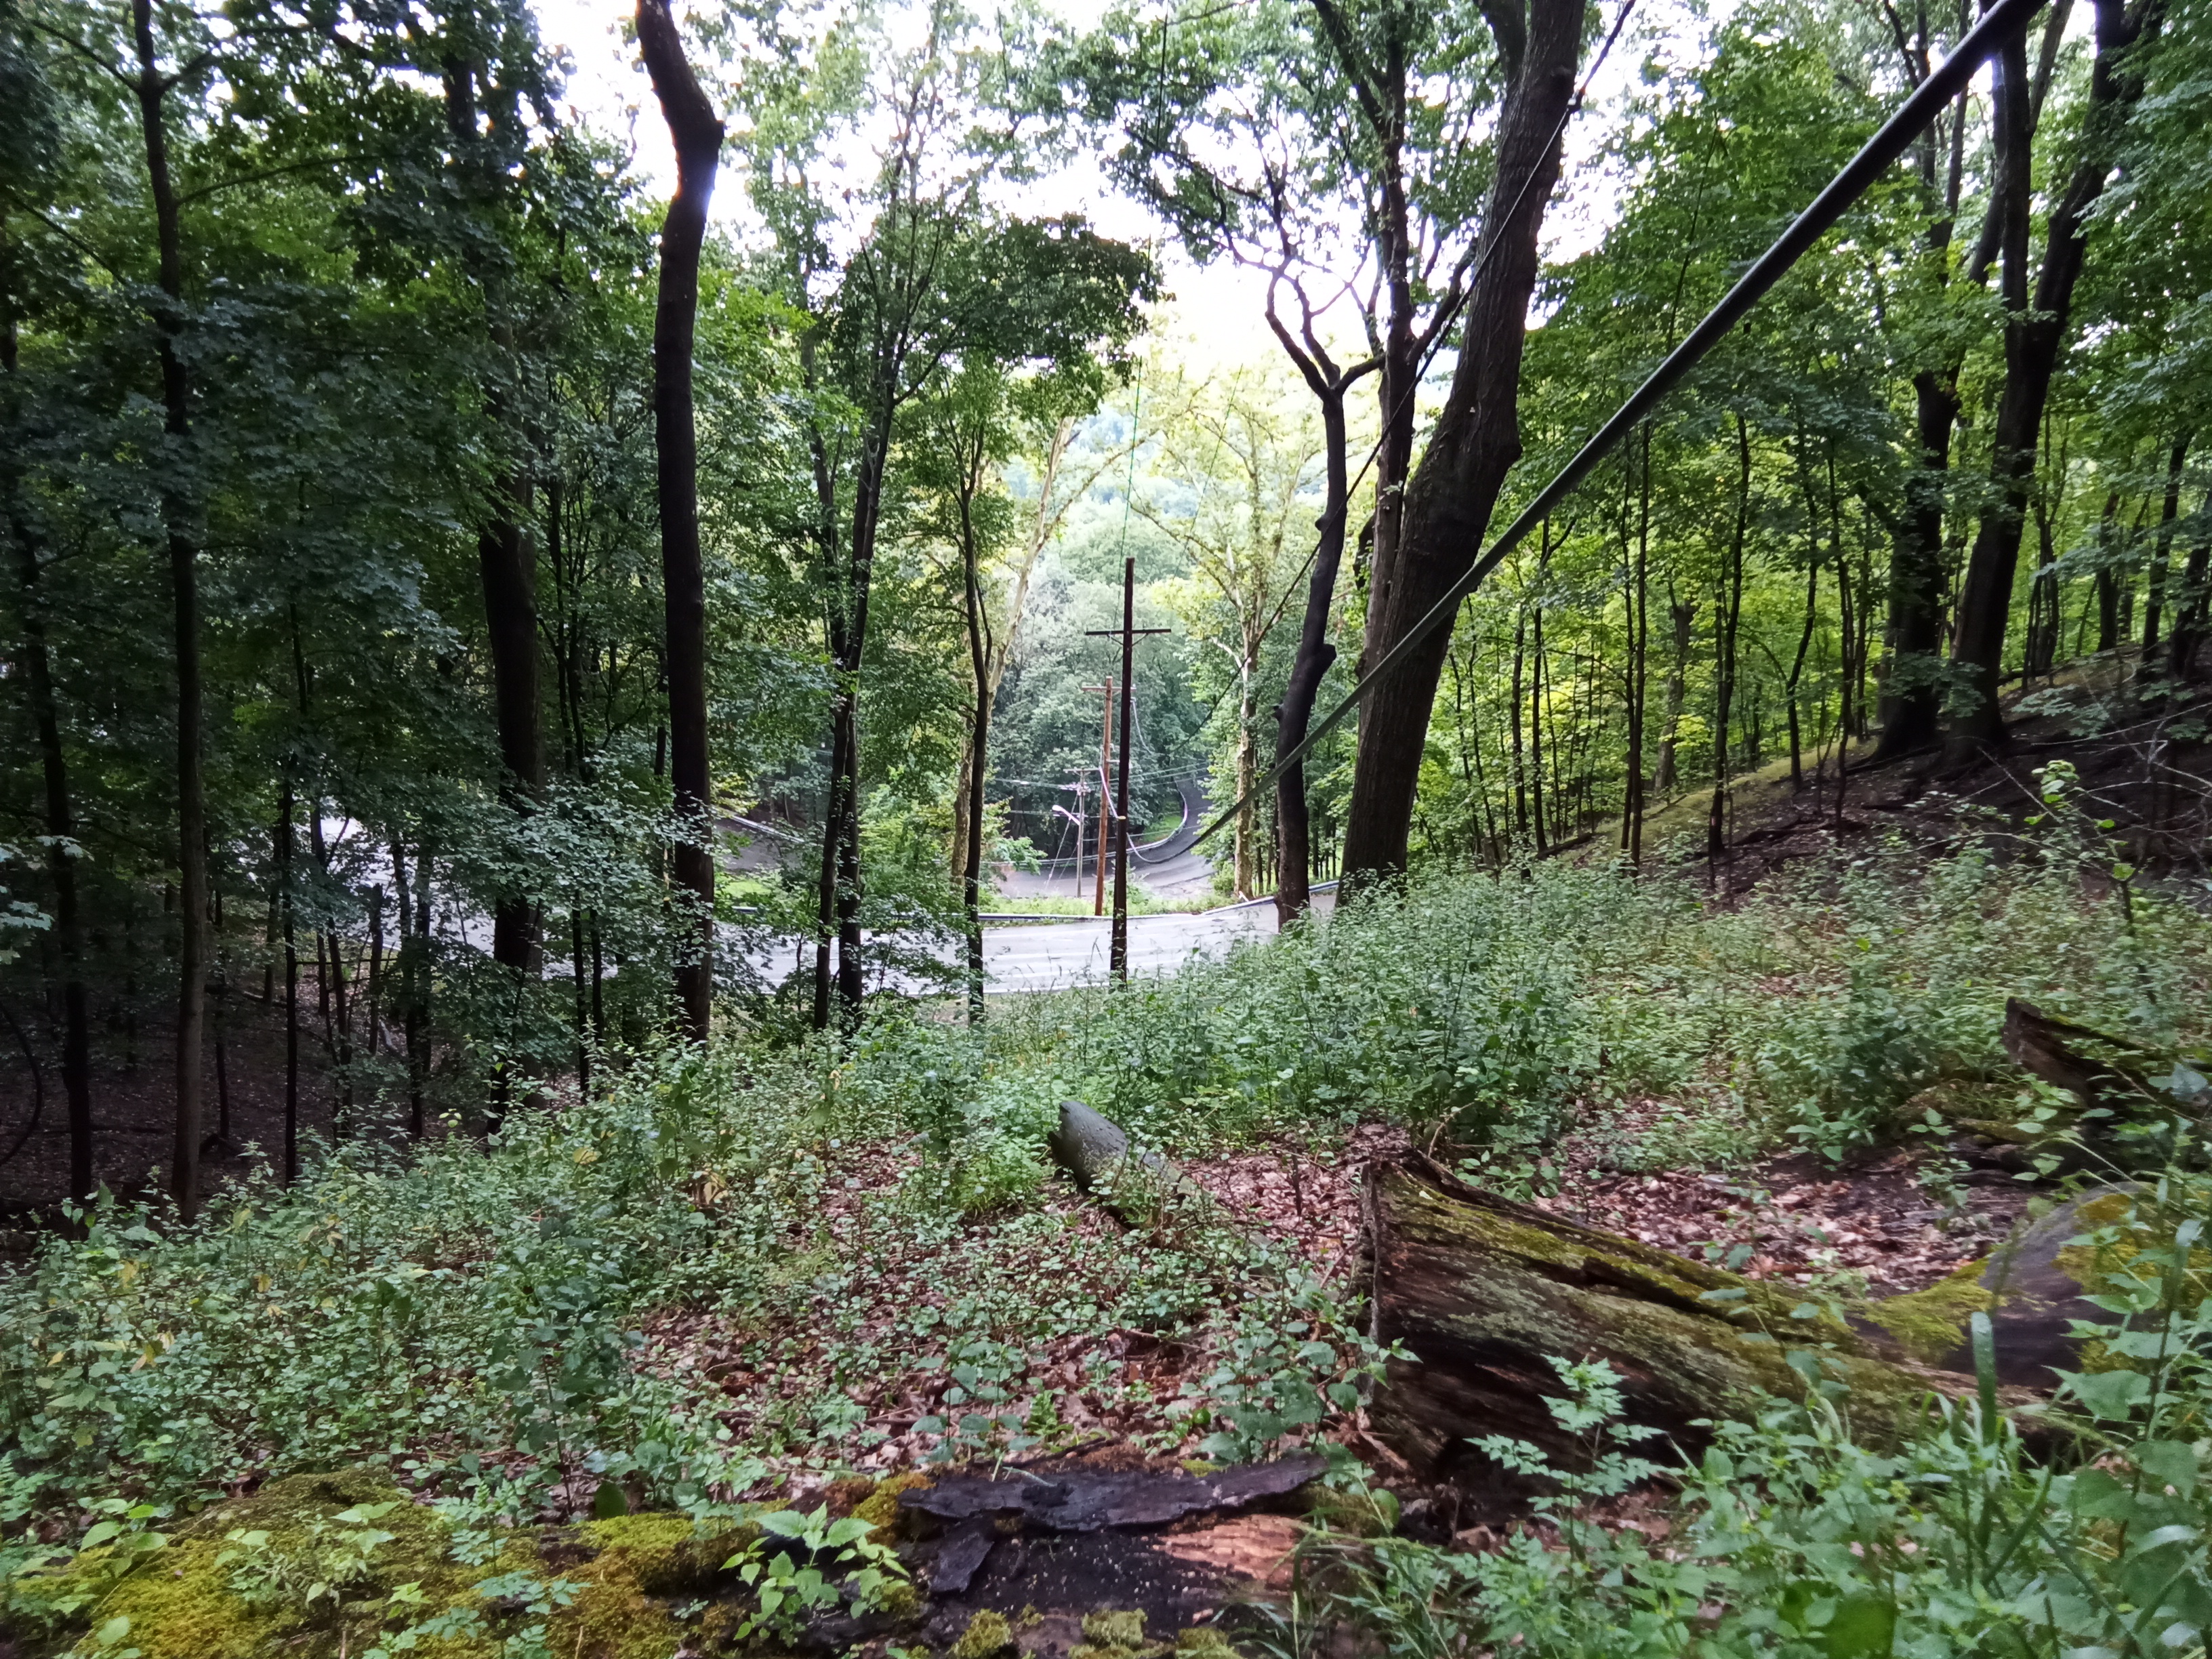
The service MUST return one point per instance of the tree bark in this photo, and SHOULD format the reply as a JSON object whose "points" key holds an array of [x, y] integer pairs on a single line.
{"points": [[696, 132], [1450, 495], [1487, 1294], [2162, 546], [1727, 615], [2189, 623], [1293, 823], [60, 818], [153, 90], [2035, 334], [507, 562], [977, 763]]}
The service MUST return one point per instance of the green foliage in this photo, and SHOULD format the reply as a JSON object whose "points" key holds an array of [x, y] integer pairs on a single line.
{"points": [[803, 1564]]}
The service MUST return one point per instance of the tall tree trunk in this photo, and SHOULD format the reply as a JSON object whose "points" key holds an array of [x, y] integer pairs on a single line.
{"points": [[696, 132], [2034, 333], [1450, 495], [1637, 592], [153, 91], [506, 563], [2162, 546], [1293, 823], [286, 882], [977, 762], [61, 858], [2189, 624], [1681, 617], [1727, 614]]}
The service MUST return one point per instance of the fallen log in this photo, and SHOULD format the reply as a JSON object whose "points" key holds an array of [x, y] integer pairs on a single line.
{"points": [[1488, 1294], [1133, 1181]]}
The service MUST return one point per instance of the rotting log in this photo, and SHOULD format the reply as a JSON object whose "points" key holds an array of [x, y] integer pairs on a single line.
{"points": [[2095, 1068], [1488, 1293], [1133, 1181]]}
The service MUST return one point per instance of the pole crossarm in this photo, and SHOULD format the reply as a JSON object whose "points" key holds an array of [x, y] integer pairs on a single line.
{"points": [[1998, 24]]}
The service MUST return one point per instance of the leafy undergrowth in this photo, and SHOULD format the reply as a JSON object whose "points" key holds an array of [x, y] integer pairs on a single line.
{"points": [[737, 1275]]}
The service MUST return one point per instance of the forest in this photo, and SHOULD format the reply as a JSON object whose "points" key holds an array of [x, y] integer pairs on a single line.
{"points": [[1300, 829]]}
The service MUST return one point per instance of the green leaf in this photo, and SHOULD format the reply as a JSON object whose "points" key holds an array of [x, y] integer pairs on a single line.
{"points": [[2110, 1395], [1864, 1626]]}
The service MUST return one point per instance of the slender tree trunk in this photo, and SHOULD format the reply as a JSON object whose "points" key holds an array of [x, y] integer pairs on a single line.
{"points": [[1681, 617], [153, 90], [583, 1005], [1513, 702], [285, 884], [2189, 625], [696, 133], [977, 762], [2161, 547], [1638, 591], [1293, 825], [1449, 497], [61, 856], [1728, 613], [1247, 759], [2034, 333], [1804, 637], [1537, 791], [373, 1019]]}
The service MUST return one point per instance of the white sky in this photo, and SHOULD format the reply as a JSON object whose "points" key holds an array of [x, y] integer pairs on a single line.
{"points": [[1216, 319]]}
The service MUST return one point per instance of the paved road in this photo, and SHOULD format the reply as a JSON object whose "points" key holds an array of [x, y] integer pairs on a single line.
{"points": [[1166, 868], [1049, 956]]}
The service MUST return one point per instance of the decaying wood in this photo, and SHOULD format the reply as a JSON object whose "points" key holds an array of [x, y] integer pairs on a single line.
{"points": [[1092, 1148], [2090, 1065], [1488, 1294], [1087, 1500]]}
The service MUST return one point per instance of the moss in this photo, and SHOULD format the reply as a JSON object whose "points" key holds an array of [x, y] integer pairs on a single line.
{"points": [[1203, 1642], [185, 1601], [1111, 1634], [987, 1635], [1930, 1325], [880, 1508], [666, 1554], [900, 1598]]}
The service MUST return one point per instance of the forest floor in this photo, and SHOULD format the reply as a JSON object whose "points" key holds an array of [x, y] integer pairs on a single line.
{"points": [[786, 1270]]}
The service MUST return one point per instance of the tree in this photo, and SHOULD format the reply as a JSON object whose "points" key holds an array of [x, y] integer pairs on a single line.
{"points": [[2035, 333], [697, 134], [1476, 440]]}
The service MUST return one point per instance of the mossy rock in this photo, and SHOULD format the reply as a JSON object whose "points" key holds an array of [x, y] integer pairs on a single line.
{"points": [[211, 1594]]}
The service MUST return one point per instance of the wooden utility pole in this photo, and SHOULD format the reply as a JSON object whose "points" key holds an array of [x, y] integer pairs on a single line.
{"points": [[1119, 955]]}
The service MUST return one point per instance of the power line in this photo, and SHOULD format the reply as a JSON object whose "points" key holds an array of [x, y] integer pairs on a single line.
{"points": [[1928, 100]]}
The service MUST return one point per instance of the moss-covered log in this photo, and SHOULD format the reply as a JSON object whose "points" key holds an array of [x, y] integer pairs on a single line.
{"points": [[1488, 1294]]}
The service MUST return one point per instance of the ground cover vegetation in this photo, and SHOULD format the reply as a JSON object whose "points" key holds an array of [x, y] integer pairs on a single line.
{"points": [[519, 689], [758, 1268]]}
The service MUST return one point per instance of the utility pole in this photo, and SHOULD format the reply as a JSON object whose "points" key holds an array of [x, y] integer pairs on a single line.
{"points": [[1105, 761], [1119, 956]]}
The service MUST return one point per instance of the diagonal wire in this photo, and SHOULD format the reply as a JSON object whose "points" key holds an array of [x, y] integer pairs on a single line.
{"points": [[1896, 135]]}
